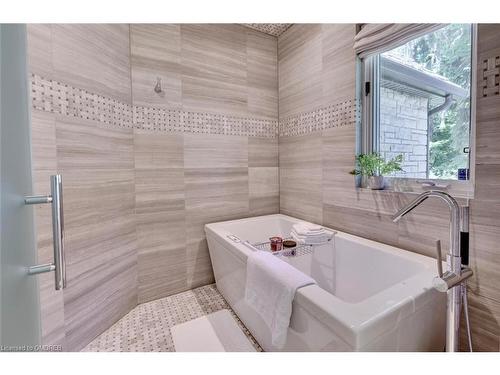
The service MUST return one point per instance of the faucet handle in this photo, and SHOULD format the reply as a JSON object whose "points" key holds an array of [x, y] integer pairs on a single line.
{"points": [[439, 259], [451, 279], [440, 284]]}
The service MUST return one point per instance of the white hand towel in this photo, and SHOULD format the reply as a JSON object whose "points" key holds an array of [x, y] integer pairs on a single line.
{"points": [[307, 228], [270, 289], [313, 235], [316, 239]]}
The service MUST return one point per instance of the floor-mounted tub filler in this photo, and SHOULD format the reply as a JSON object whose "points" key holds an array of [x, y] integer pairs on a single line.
{"points": [[368, 296]]}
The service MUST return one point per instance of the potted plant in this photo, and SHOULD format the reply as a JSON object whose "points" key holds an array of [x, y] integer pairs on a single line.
{"points": [[374, 168]]}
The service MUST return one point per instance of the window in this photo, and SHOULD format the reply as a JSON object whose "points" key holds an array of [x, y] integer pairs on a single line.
{"points": [[417, 103]]}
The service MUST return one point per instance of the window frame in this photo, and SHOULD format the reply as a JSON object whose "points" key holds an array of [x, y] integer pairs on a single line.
{"points": [[367, 132]]}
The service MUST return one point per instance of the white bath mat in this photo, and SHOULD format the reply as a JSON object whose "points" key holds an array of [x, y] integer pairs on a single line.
{"points": [[216, 332]]}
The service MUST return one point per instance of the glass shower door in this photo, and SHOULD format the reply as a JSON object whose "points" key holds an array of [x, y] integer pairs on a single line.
{"points": [[19, 304]]}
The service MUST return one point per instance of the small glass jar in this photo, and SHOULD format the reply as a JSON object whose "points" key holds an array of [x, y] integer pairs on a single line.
{"points": [[276, 243]]}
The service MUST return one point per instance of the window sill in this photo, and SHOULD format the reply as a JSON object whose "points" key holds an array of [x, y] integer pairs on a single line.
{"points": [[461, 190]]}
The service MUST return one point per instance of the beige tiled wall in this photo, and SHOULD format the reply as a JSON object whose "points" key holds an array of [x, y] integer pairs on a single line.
{"points": [[137, 198], [97, 165], [315, 184], [485, 209], [227, 69]]}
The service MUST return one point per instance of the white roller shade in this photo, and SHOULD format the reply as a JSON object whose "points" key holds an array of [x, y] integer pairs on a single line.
{"points": [[376, 38]]}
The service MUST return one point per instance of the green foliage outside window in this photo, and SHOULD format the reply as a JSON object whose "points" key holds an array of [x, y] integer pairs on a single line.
{"points": [[446, 52]]}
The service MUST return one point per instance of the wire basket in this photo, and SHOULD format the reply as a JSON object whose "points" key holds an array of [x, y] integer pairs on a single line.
{"points": [[296, 251]]}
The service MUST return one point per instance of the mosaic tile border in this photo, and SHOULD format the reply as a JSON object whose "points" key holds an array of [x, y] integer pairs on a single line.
{"points": [[344, 113], [56, 97], [275, 29], [159, 119]]}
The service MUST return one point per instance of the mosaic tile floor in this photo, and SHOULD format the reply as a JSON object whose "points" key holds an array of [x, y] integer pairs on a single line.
{"points": [[147, 327]]}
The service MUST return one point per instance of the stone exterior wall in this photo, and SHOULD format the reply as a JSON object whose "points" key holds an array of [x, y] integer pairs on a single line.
{"points": [[403, 130]]}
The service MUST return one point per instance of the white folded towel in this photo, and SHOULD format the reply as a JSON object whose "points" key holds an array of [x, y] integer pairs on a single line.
{"points": [[310, 235], [270, 289], [308, 228], [311, 240]]}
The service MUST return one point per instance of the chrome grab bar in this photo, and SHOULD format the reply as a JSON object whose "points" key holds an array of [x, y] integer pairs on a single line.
{"points": [[56, 200]]}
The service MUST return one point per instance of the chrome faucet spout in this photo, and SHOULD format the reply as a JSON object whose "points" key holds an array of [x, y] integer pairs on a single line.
{"points": [[454, 216], [409, 207], [453, 279]]}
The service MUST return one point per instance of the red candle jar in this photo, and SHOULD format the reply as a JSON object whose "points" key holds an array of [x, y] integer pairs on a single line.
{"points": [[276, 243]]}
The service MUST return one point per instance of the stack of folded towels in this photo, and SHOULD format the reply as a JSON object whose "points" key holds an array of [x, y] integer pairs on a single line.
{"points": [[310, 234]]}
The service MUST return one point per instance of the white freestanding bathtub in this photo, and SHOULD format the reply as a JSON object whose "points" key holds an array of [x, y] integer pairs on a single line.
{"points": [[368, 297]]}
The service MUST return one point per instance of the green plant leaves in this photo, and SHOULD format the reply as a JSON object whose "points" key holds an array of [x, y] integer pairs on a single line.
{"points": [[374, 165]]}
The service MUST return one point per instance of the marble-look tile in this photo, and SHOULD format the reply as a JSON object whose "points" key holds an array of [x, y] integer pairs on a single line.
{"points": [[156, 151], [160, 214], [159, 190], [338, 160], [301, 151], [487, 108], [267, 205], [487, 182], [161, 238], [484, 316], [487, 37], [215, 151], [39, 38], [199, 264], [97, 166], [301, 194], [101, 251], [263, 190], [339, 62], [212, 194], [301, 173], [129, 335], [381, 201], [156, 53], [93, 195], [95, 57], [262, 75], [487, 142], [427, 223], [367, 224], [262, 152], [161, 232], [484, 256], [214, 71], [82, 144], [263, 181], [43, 141], [300, 69], [89, 313], [51, 312]]}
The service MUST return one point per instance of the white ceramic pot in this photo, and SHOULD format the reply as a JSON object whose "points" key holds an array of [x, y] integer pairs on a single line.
{"points": [[376, 182]]}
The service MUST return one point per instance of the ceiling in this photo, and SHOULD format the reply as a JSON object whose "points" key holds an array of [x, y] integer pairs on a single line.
{"points": [[275, 29]]}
